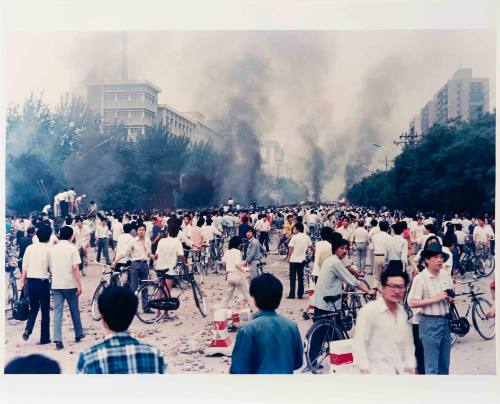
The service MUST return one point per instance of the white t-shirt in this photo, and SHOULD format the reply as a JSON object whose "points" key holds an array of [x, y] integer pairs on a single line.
{"points": [[480, 234], [300, 243], [360, 235], [62, 257], [71, 195], [461, 237], [116, 229], [36, 261], [320, 247], [232, 257], [168, 250]]}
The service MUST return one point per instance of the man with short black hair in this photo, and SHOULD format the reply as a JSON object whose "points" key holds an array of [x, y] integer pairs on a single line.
{"points": [[119, 353], [31, 365], [64, 260], [383, 342], [297, 249], [36, 277], [428, 292], [255, 252], [270, 343]]}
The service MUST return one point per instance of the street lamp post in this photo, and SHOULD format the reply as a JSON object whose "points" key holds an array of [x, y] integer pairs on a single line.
{"points": [[386, 159]]}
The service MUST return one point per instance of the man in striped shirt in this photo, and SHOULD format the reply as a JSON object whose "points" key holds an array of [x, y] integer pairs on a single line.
{"points": [[120, 353], [428, 292]]}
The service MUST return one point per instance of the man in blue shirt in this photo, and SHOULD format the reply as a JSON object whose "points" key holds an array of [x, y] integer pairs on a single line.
{"points": [[270, 343]]}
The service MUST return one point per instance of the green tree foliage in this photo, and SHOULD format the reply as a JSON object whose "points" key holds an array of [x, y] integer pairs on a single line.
{"points": [[451, 169]]}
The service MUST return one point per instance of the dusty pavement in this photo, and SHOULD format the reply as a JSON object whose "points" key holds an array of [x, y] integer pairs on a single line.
{"points": [[183, 340]]}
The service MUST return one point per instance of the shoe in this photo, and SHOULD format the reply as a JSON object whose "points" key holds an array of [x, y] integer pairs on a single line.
{"points": [[305, 316], [44, 342], [59, 345], [78, 339], [26, 335], [290, 297]]}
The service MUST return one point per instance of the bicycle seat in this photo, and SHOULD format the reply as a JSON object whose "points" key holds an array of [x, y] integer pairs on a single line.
{"points": [[332, 299]]}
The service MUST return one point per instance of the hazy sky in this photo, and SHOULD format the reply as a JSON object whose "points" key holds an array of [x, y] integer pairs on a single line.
{"points": [[354, 88]]}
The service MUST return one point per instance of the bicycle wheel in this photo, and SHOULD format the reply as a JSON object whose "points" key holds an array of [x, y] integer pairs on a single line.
{"points": [[198, 299], [12, 294], [96, 315], [197, 273], [318, 340], [283, 250], [149, 292], [487, 265], [355, 303], [483, 325]]}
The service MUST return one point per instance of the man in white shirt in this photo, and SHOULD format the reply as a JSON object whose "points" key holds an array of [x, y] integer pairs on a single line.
{"points": [[346, 231], [185, 234], [71, 200], [374, 230], [64, 263], [381, 242], [82, 239], [297, 249], [102, 237], [116, 230], [383, 341], [35, 276], [361, 239], [482, 235], [428, 292], [123, 248], [398, 247], [417, 232], [140, 254]]}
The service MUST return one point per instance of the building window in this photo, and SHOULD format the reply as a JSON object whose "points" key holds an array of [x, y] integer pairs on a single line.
{"points": [[135, 114], [122, 97], [135, 131], [136, 97], [122, 114], [109, 97]]}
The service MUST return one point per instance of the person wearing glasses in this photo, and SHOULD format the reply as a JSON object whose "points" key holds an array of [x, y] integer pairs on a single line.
{"points": [[383, 341]]}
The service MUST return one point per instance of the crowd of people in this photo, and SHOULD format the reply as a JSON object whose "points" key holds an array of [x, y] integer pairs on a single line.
{"points": [[413, 260]]}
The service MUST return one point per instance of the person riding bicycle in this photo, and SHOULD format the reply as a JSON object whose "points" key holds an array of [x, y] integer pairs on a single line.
{"points": [[167, 254], [331, 276]]}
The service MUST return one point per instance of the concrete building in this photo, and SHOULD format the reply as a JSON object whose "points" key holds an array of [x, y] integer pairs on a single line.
{"points": [[132, 103], [463, 96]]}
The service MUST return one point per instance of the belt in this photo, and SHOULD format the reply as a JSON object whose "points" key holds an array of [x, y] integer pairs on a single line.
{"points": [[435, 315], [140, 261], [379, 255]]}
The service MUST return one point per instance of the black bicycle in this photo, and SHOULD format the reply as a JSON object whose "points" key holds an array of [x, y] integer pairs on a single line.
{"points": [[329, 327], [155, 300], [479, 306], [283, 247], [12, 291], [480, 263], [116, 278]]}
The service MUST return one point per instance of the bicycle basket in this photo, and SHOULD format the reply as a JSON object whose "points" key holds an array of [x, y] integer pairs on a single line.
{"points": [[166, 303], [347, 322], [458, 325]]}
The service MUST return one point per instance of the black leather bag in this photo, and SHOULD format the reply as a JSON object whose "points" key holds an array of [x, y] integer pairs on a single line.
{"points": [[20, 308], [458, 325]]}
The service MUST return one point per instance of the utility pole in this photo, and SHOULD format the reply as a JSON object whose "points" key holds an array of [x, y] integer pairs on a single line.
{"points": [[408, 138], [124, 55]]}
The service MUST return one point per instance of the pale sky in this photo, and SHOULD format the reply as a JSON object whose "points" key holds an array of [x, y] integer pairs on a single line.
{"points": [[339, 79]]}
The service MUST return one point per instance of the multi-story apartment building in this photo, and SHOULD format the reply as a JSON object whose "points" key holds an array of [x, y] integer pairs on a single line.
{"points": [[463, 96], [132, 103]]}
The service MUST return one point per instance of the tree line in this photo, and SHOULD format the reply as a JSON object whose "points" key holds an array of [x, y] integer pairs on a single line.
{"points": [[66, 146], [452, 169]]}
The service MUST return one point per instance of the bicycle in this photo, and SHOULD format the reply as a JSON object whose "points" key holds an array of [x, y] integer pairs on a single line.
{"points": [[329, 327], [12, 291], [484, 326], [116, 278], [154, 297], [480, 263], [197, 266]]}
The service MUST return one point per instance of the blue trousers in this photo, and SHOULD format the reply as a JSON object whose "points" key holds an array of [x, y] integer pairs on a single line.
{"points": [[434, 332], [68, 295]]}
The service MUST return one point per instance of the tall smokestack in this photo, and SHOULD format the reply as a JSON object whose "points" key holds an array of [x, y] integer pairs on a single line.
{"points": [[124, 55]]}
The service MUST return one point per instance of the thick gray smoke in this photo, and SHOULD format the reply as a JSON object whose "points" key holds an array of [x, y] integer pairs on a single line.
{"points": [[381, 94], [247, 114]]}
